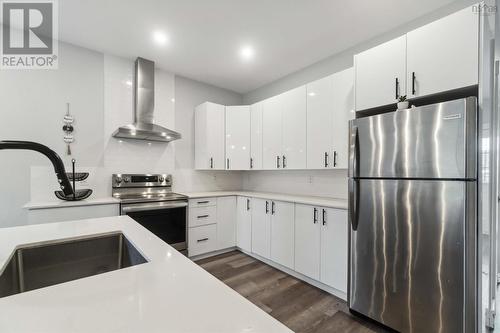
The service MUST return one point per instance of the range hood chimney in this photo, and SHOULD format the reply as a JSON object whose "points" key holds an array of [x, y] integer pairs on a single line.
{"points": [[143, 127]]}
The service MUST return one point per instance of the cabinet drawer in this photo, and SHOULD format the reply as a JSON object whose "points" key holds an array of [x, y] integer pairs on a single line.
{"points": [[202, 202], [202, 239], [202, 216]]}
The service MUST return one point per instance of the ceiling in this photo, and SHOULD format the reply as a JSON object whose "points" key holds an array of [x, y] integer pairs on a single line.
{"points": [[205, 36]]}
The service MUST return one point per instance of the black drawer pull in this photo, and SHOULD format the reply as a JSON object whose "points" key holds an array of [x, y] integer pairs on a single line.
{"points": [[202, 240], [202, 216], [202, 202]]}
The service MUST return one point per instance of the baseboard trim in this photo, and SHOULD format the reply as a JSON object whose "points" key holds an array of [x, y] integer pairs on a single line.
{"points": [[213, 253]]}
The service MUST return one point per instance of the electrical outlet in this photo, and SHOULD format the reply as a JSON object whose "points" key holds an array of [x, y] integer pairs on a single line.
{"points": [[310, 179], [215, 178]]}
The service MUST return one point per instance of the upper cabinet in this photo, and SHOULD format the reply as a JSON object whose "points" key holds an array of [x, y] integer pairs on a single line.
{"points": [[237, 137], [330, 106], [443, 55], [380, 74], [256, 136], [438, 57], [209, 136], [271, 133]]}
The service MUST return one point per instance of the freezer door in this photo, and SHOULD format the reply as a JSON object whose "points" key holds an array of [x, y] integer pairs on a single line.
{"points": [[434, 141], [407, 253]]}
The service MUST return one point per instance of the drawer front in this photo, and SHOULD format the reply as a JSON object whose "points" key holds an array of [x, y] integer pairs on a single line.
{"points": [[202, 216], [202, 239], [202, 202]]}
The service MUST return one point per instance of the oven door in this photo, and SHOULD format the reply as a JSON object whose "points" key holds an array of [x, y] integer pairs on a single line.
{"points": [[166, 219]]}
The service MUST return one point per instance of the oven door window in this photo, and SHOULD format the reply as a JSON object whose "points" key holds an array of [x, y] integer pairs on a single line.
{"points": [[168, 224]]}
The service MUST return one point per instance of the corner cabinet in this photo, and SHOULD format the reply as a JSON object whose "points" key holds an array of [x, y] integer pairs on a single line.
{"points": [[209, 124], [256, 136], [237, 137]]}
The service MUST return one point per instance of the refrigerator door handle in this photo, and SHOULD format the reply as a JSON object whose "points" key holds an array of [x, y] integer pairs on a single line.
{"points": [[353, 151], [353, 203]]}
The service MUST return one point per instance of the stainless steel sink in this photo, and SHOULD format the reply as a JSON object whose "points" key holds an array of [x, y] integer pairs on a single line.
{"points": [[41, 265]]}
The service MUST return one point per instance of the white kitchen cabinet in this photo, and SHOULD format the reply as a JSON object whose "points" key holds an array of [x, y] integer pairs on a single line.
{"points": [[261, 227], [256, 124], [443, 55], [272, 133], [307, 241], [282, 233], [334, 251], [244, 223], [343, 111], [202, 239], [294, 136], [320, 118], [226, 222], [380, 74], [209, 136], [237, 137]]}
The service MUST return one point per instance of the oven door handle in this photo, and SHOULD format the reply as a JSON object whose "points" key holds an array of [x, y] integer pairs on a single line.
{"points": [[155, 206]]}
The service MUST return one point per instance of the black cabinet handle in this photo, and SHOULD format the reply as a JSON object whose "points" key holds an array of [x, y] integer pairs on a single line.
{"points": [[267, 207], [334, 158], [202, 240], [413, 78], [315, 215], [278, 162], [211, 162], [324, 216], [228, 163], [248, 204], [203, 202], [284, 161], [273, 210], [397, 88], [326, 159], [251, 163], [202, 216]]}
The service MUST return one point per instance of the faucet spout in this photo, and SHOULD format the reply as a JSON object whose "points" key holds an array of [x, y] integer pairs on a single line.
{"points": [[59, 169]]}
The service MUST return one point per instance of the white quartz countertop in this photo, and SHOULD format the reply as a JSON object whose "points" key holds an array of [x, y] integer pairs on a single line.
{"points": [[300, 199], [170, 293], [61, 204]]}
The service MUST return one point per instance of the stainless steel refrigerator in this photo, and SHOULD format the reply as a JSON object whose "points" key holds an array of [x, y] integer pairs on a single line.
{"points": [[413, 217]]}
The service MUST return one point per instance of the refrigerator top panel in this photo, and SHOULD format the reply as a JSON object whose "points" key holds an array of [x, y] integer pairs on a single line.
{"points": [[437, 141]]}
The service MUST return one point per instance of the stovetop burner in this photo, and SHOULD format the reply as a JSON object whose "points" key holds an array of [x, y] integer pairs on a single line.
{"points": [[130, 188]]}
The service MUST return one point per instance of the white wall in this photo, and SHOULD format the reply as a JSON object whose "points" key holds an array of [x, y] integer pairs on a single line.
{"points": [[32, 106]]}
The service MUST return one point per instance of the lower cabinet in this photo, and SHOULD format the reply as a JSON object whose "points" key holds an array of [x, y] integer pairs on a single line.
{"points": [[212, 224], [261, 227], [226, 222], [244, 223], [282, 233], [321, 237]]}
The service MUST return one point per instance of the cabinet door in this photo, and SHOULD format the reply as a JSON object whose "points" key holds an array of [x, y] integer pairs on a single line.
{"points": [[307, 241], [209, 136], [294, 118], [237, 137], [443, 55], [244, 224], [226, 222], [334, 248], [271, 133], [320, 119], [343, 111], [282, 233], [261, 228], [376, 72], [256, 136]]}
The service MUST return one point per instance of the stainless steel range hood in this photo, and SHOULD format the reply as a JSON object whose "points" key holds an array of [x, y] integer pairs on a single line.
{"points": [[143, 127]]}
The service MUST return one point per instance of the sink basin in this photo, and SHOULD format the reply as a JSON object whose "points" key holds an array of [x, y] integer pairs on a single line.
{"points": [[41, 265]]}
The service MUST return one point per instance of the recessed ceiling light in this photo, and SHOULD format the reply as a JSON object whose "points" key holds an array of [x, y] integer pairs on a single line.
{"points": [[160, 38], [247, 53]]}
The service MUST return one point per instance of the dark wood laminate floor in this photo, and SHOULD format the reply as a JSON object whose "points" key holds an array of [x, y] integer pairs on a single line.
{"points": [[298, 305]]}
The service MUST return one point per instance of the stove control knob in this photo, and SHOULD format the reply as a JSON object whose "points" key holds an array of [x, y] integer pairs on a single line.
{"points": [[118, 180], [126, 179], [162, 179]]}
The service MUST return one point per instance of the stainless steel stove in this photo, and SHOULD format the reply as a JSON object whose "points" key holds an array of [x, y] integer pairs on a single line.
{"points": [[149, 200]]}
